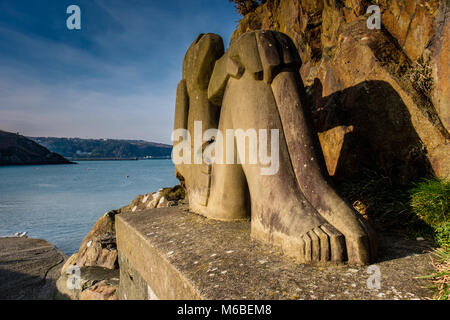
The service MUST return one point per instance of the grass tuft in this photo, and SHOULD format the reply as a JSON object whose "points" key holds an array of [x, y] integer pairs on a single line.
{"points": [[430, 201], [441, 278]]}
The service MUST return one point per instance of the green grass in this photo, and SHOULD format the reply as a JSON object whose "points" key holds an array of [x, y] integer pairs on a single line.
{"points": [[430, 201]]}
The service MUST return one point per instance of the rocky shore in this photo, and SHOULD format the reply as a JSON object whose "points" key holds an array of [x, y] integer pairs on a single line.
{"points": [[29, 268]]}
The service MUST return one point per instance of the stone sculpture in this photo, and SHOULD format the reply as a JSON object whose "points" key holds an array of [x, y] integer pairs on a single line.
{"points": [[255, 84]]}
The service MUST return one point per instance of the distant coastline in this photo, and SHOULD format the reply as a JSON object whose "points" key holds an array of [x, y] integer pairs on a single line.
{"points": [[119, 159], [77, 149], [16, 149]]}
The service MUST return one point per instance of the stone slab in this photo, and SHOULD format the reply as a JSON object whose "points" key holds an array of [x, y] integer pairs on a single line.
{"points": [[170, 253], [29, 268]]}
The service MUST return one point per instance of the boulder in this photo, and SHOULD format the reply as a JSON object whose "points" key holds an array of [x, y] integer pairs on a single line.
{"points": [[98, 248], [164, 197], [100, 291]]}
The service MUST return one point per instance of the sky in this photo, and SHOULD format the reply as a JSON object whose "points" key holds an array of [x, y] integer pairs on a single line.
{"points": [[115, 78]]}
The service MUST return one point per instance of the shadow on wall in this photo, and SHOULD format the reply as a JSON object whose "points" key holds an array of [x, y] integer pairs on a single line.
{"points": [[380, 135]]}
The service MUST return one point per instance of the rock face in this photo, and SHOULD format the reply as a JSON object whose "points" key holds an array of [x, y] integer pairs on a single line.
{"points": [[166, 197], [96, 261], [18, 150], [98, 248], [391, 84]]}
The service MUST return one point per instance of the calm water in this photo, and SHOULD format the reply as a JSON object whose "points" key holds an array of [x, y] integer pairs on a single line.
{"points": [[61, 203]]}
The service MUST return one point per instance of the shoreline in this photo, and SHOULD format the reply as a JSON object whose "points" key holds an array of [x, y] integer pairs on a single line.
{"points": [[117, 159]]}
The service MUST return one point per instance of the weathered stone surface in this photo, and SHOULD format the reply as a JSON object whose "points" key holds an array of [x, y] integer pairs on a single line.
{"points": [[441, 65], [100, 291], [181, 106], [29, 269], [392, 141], [132, 286], [94, 283], [332, 142], [198, 65], [440, 160], [219, 79], [164, 197], [169, 253], [98, 248], [341, 56]]}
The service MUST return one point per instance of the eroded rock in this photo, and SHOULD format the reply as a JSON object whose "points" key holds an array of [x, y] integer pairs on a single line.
{"points": [[390, 84]]}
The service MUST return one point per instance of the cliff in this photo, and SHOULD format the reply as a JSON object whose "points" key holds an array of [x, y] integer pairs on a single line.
{"points": [[380, 99], [18, 150]]}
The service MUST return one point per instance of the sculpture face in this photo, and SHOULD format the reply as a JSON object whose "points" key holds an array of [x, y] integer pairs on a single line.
{"points": [[255, 87]]}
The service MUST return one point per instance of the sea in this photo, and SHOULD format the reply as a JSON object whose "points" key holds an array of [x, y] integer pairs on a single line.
{"points": [[61, 203]]}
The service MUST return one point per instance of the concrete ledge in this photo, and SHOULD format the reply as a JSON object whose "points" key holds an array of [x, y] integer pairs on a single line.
{"points": [[137, 250], [169, 253]]}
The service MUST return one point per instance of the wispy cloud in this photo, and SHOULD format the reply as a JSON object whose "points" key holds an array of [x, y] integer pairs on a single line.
{"points": [[117, 83]]}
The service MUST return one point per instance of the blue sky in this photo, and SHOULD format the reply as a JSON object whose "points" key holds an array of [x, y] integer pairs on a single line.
{"points": [[114, 78]]}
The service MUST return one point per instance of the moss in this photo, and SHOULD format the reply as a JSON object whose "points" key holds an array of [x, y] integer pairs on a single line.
{"points": [[174, 194], [443, 235]]}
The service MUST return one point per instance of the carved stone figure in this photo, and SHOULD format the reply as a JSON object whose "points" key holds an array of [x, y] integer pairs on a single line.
{"points": [[255, 84]]}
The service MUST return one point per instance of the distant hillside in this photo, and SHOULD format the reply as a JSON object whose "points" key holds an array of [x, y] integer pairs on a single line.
{"points": [[76, 148], [18, 150]]}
